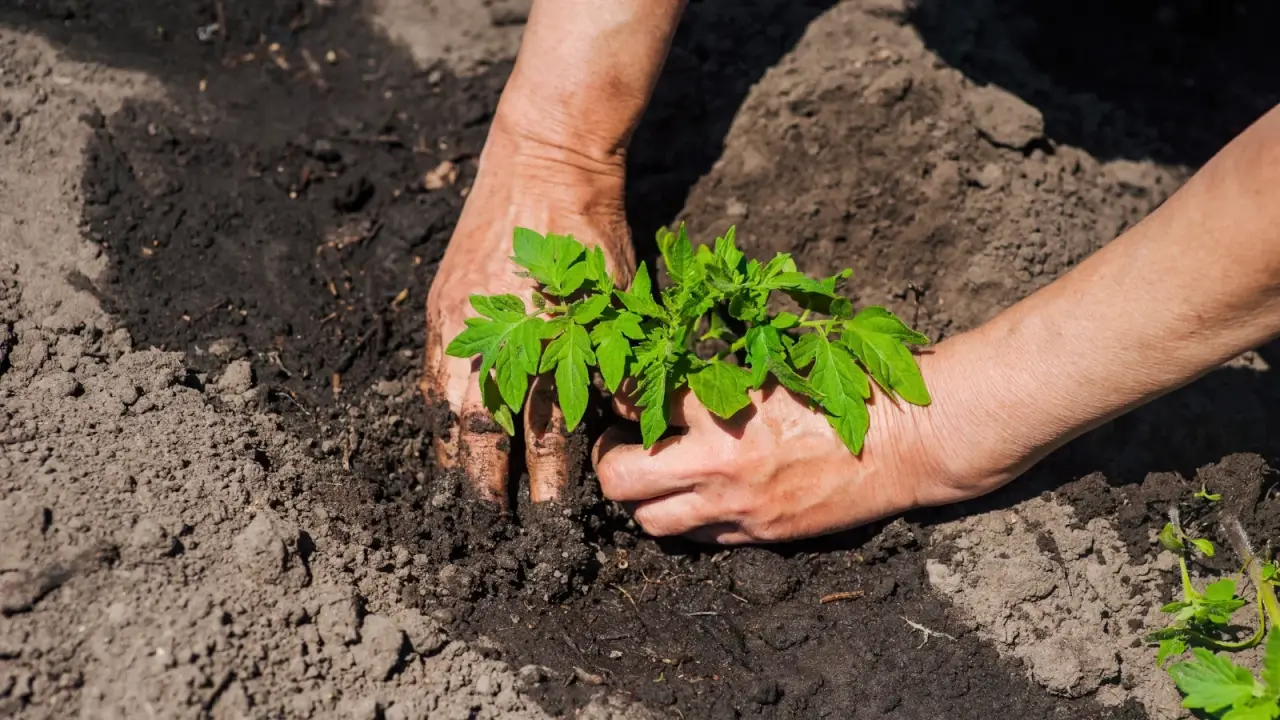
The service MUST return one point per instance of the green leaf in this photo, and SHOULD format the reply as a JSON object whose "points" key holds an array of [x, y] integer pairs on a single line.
{"points": [[508, 340], [598, 271], [1169, 648], [498, 307], [1203, 546], [763, 343], [883, 322], [1212, 682], [727, 253], [1271, 663], [722, 388], [1258, 709], [492, 399], [1170, 539], [639, 298], [835, 374], [570, 355], [784, 321], [612, 338], [552, 260], [852, 426], [677, 254], [586, 310], [655, 412], [885, 357]]}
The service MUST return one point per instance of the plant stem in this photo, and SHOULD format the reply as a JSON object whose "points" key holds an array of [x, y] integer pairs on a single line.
{"points": [[1266, 591]]}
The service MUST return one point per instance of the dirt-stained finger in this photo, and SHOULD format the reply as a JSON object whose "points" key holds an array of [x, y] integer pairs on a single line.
{"points": [[546, 443], [483, 447], [433, 384]]}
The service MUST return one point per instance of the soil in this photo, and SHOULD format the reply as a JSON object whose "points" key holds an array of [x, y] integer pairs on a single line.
{"points": [[211, 446]]}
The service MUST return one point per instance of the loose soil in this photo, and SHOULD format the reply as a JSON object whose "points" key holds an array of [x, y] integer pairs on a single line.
{"points": [[263, 215]]}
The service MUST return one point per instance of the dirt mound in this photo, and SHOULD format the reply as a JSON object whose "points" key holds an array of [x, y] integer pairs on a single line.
{"points": [[268, 530]]}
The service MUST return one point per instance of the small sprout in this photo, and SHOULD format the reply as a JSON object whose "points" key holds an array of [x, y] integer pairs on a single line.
{"points": [[1204, 494], [1174, 539], [583, 320]]}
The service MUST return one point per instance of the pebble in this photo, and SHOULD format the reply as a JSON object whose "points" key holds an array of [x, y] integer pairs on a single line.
{"points": [[381, 648], [237, 378], [1005, 119]]}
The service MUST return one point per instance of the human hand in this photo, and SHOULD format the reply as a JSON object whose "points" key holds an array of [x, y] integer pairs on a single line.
{"points": [[778, 471], [527, 183]]}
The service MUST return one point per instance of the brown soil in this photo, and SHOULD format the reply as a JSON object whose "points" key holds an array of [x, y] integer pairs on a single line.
{"points": [[266, 216]]}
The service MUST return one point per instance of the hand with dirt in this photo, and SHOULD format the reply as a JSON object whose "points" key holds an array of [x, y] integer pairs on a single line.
{"points": [[517, 186], [1193, 285], [554, 162]]}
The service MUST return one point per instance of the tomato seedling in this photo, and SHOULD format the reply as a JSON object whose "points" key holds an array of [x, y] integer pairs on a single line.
{"points": [[828, 354]]}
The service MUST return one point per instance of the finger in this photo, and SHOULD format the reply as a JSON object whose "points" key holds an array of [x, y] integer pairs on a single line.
{"points": [[674, 514], [483, 447], [720, 534], [630, 473], [433, 386], [685, 408], [546, 443]]}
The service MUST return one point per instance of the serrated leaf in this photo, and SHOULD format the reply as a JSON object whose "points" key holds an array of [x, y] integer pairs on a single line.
{"points": [[1258, 709], [785, 320], [835, 374], [612, 338], [721, 388], [885, 358], [677, 255], [727, 253], [639, 298], [1170, 648], [498, 307], [555, 261], [763, 343], [1212, 682], [492, 399], [598, 270], [652, 399], [852, 426], [882, 321], [790, 379], [588, 309], [481, 336], [570, 355]]}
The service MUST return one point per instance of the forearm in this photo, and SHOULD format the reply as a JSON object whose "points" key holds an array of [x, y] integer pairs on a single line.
{"points": [[585, 72], [1193, 285]]}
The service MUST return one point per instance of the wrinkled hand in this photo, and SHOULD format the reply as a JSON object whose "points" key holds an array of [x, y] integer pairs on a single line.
{"points": [[778, 471], [547, 189]]}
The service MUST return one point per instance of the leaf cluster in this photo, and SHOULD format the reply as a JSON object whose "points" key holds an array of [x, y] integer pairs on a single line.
{"points": [[1213, 683], [582, 320]]}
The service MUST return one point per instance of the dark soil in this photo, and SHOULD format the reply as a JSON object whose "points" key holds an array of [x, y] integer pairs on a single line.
{"points": [[283, 213]]}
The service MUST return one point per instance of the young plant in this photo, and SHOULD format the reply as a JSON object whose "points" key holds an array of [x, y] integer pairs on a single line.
{"points": [[828, 354], [1215, 684], [1199, 618]]}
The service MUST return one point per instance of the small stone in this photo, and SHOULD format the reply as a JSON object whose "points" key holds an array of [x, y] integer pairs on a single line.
{"points": [[124, 390], [337, 617], [267, 548], [425, 634], [485, 686], [59, 384], [991, 175], [736, 209], [225, 347], [151, 541], [1005, 119], [237, 378], [531, 675], [381, 649], [388, 388], [444, 175]]}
